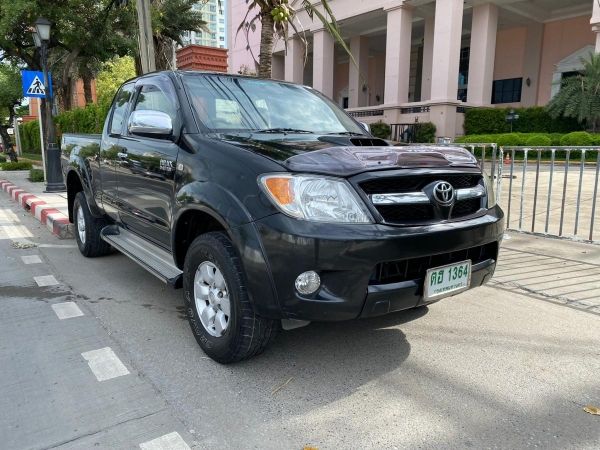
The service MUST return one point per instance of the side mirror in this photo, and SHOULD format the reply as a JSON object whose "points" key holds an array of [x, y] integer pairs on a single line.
{"points": [[365, 126], [150, 123]]}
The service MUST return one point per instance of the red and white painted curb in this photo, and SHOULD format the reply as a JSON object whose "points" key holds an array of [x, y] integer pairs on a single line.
{"points": [[54, 220]]}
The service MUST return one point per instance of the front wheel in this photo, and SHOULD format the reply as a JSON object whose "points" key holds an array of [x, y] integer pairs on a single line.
{"points": [[218, 308], [87, 229]]}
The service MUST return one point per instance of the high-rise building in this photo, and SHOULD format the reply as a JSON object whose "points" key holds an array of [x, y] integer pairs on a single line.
{"points": [[213, 13]]}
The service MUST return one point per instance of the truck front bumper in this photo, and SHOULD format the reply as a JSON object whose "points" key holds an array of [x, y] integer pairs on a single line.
{"points": [[348, 259]]}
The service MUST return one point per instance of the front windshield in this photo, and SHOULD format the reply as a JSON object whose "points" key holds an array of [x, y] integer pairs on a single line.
{"points": [[229, 104]]}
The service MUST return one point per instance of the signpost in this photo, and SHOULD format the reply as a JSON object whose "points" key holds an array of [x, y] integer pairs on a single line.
{"points": [[33, 87]]}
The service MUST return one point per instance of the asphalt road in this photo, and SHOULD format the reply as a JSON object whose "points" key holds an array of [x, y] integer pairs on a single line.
{"points": [[486, 369]]}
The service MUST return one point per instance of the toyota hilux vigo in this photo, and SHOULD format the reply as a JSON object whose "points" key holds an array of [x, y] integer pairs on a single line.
{"points": [[271, 207]]}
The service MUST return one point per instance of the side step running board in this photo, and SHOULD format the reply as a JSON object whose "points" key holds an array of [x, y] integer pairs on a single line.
{"points": [[148, 255]]}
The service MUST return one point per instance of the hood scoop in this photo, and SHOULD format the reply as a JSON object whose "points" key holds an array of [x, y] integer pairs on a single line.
{"points": [[346, 161], [354, 141]]}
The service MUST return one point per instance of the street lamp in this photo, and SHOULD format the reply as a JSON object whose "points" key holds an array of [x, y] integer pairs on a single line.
{"points": [[54, 177]]}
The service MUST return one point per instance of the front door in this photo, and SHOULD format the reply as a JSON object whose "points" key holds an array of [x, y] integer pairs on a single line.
{"points": [[146, 175]]}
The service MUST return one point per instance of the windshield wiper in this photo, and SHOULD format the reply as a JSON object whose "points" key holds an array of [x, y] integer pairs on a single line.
{"points": [[345, 133], [283, 130]]}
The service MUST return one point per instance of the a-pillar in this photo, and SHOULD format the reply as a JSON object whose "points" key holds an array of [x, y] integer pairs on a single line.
{"points": [[294, 61], [446, 58], [323, 61], [358, 76], [483, 52], [596, 23], [427, 58], [397, 54]]}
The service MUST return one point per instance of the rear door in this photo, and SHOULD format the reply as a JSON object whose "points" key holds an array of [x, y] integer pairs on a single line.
{"points": [[146, 175], [110, 149]]}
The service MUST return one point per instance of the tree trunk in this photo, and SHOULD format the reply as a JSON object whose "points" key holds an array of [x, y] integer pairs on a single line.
{"points": [[87, 76], [265, 58], [66, 82]]}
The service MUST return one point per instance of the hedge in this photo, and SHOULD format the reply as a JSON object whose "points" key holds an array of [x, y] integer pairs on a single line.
{"points": [[381, 130], [81, 120], [531, 120], [577, 138], [425, 132]]}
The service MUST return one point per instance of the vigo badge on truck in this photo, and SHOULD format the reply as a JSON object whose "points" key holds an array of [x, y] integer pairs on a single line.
{"points": [[447, 280]]}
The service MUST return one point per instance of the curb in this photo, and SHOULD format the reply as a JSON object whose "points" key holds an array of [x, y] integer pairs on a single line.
{"points": [[55, 221]]}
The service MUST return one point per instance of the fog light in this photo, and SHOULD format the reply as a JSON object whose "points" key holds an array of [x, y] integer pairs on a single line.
{"points": [[308, 282]]}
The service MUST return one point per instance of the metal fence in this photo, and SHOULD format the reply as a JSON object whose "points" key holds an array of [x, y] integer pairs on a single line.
{"points": [[550, 191]]}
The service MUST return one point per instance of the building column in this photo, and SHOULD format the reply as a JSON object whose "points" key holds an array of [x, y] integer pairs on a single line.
{"points": [[323, 61], [531, 64], [596, 24], [397, 54], [294, 61], [278, 67], [483, 52], [427, 59], [446, 59], [358, 76]]}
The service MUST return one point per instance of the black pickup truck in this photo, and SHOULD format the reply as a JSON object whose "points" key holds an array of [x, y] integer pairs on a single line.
{"points": [[272, 208]]}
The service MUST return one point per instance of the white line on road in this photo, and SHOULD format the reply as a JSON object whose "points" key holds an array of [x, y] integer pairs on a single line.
{"points": [[46, 280], [31, 259], [67, 310], [105, 364], [171, 441]]}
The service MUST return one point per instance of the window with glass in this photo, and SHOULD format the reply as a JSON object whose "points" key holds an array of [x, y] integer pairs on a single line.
{"points": [[119, 108], [226, 103], [154, 99], [507, 91]]}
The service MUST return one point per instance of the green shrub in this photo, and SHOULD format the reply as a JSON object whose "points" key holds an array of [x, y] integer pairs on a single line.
{"points": [[16, 166], [596, 139], [555, 138], [509, 140], [2, 159], [425, 132], [381, 130], [538, 140], [30, 137], [36, 175], [531, 120], [577, 138]]}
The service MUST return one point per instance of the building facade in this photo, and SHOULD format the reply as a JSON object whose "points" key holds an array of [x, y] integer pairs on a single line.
{"points": [[214, 14], [429, 60]]}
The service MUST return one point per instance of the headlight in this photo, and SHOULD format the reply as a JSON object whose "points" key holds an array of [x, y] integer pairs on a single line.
{"points": [[489, 189], [312, 197]]}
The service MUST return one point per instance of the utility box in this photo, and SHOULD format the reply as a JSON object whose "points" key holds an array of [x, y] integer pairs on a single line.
{"points": [[199, 57]]}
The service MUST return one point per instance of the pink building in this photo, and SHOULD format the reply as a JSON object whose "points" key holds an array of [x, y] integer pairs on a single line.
{"points": [[428, 60]]}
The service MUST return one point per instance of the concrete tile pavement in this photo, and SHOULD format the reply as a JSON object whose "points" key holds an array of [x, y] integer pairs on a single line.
{"points": [[49, 208]]}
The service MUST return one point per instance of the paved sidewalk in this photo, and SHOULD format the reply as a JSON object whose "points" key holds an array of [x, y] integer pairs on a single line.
{"points": [[49, 208]]}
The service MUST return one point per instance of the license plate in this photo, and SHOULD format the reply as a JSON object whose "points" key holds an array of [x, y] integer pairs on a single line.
{"points": [[447, 280]]}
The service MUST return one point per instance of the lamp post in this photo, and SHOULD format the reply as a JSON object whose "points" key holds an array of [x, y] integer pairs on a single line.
{"points": [[54, 177]]}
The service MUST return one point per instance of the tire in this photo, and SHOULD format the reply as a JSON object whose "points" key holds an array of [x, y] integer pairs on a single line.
{"points": [[88, 240], [244, 334]]}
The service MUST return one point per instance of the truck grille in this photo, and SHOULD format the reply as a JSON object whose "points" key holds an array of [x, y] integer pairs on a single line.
{"points": [[416, 213], [415, 268], [415, 183]]}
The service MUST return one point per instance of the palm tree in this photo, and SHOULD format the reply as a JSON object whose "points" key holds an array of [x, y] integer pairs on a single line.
{"points": [[579, 96], [276, 17]]}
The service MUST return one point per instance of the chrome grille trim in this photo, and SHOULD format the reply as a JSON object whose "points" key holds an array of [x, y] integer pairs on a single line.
{"points": [[408, 198]]}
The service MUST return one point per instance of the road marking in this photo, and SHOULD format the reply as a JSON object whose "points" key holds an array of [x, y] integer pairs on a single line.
{"points": [[105, 364], [171, 441], [31, 259], [67, 310], [46, 280]]}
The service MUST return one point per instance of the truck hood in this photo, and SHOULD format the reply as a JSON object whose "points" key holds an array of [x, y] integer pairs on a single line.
{"points": [[317, 156]]}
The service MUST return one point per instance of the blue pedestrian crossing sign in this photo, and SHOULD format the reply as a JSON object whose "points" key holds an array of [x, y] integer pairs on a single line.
{"points": [[33, 84]]}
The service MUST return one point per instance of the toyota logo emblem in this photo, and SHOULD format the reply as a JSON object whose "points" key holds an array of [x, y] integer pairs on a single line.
{"points": [[443, 192]]}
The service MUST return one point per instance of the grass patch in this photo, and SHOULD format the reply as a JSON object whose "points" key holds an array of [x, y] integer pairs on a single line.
{"points": [[36, 175], [31, 156], [21, 165]]}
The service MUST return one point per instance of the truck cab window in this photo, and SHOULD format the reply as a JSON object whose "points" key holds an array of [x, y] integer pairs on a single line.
{"points": [[154, 99], [120, 106]]}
